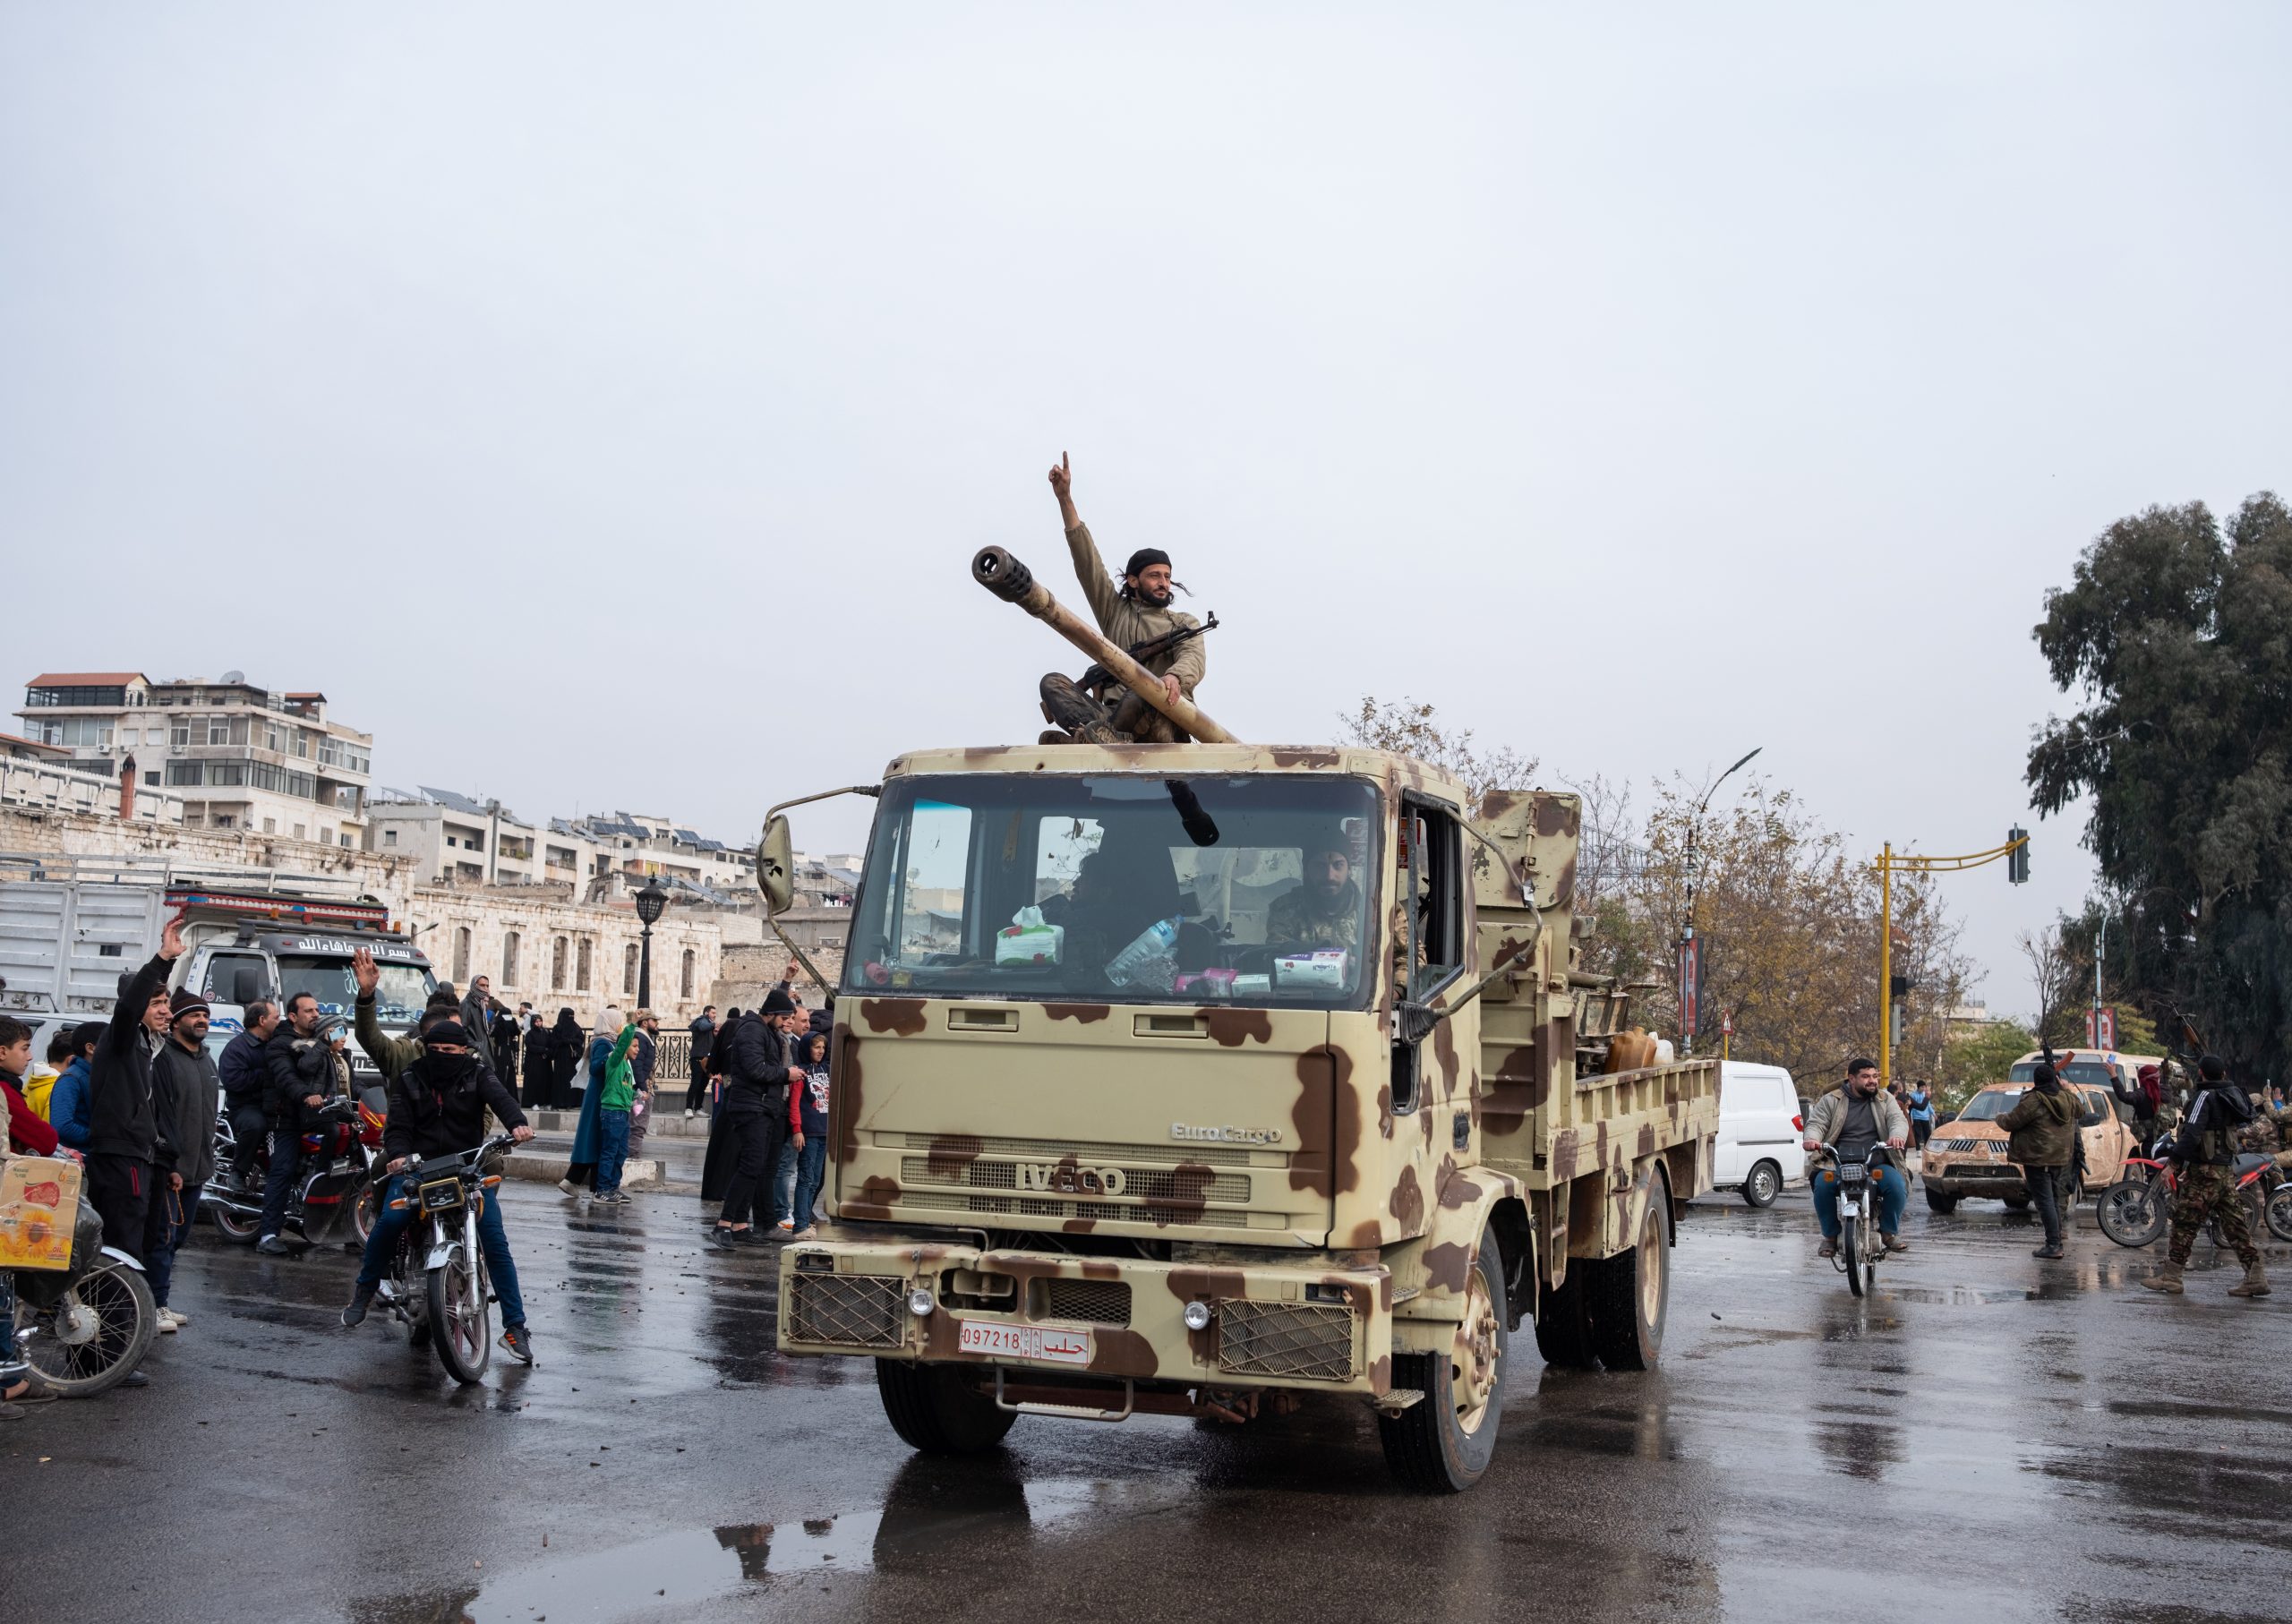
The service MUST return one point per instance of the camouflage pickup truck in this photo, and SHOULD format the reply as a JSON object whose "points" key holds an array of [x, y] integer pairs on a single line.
{"points": [[1195, 1078]]}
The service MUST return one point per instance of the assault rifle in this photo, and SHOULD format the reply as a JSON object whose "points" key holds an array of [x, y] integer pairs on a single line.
{"points": [[1097, 679]]}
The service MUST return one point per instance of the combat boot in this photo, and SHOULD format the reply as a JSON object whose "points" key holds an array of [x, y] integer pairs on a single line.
{"points": [[2166, 1279], [2255, 1283]]}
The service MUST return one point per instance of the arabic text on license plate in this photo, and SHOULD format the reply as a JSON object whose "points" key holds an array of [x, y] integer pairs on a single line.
{"points": [[1025, 1342]]}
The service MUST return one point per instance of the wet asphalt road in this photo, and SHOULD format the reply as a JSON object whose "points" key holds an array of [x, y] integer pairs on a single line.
{"points": [[1989, 1438]]}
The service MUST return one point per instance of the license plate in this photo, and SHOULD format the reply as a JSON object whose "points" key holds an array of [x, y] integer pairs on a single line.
{"points": [[1025, 1342]]}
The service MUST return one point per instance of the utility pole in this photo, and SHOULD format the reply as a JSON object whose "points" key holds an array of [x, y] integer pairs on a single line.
{"points": [[1690, 950]]}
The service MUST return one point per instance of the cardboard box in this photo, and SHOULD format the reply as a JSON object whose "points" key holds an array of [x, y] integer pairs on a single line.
{"points": [[39, 1203]]}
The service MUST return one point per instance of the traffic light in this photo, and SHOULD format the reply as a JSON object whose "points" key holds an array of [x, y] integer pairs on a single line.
{"points": [[1901, 987], [2017, 860]]}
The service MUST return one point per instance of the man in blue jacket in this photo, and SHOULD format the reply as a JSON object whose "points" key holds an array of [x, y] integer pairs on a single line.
{"points": [[245, 1081]]}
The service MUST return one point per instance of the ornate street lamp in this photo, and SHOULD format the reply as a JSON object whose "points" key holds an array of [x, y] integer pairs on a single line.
{"points": [[650, 901]]}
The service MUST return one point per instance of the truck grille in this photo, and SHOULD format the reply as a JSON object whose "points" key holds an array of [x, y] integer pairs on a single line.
{"points": [[1094, 1154], [1971, 1147], [847, 1310], [1150, 1184], [1093, 1302], [1284, 1339]]}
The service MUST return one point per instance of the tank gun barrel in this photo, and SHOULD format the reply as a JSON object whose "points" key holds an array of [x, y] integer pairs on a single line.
{"points": [[1013, 582]]}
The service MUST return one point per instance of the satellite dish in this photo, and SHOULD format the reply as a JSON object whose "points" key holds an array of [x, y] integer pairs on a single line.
{"points": [[235, 675]]}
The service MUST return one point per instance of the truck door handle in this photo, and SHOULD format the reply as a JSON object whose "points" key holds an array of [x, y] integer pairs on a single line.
{"points": [[1169, 1026], [960, 1019]]}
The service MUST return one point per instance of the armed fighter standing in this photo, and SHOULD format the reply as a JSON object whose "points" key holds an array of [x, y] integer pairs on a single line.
{"points": [[1138, 614]]}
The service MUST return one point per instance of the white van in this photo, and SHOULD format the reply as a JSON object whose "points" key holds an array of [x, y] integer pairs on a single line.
{"points": [[1760, 1132]]}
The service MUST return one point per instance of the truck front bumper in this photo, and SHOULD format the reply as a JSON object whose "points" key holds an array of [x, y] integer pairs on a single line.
{"points": [[1992, 1179], [1268, 1325]]}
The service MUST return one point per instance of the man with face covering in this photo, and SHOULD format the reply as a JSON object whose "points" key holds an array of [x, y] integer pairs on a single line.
{"points": [[1139, 611], [437, 1107], [1325, 912]]}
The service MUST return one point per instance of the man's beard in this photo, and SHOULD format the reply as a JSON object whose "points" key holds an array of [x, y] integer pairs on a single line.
{"points": [[1152, 599]]}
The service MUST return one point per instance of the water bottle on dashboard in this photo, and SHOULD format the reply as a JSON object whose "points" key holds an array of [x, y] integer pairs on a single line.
{"points": [[1150, 959]]}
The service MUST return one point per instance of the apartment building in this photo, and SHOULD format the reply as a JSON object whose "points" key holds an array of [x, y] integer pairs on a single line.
{"points": [[240, 755], [459, 839]]}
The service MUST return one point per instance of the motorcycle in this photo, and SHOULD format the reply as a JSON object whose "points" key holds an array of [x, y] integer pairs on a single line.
{"points": [[2135, 1211], [1858, 1245], [437, 1286], [85, 1328], [336, 1182]]}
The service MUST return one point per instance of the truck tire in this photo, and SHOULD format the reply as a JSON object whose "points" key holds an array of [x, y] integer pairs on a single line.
{"points": [[933, 1409], [1443, 1442], [1939, 1202], [1628, 1295], [2015, 1203], [1563, 1330], [1764, 1184]]}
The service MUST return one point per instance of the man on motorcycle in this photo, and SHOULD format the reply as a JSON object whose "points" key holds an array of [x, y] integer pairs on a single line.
{"points": [[301, 1075], [437, 1107], [1852, 1119]]}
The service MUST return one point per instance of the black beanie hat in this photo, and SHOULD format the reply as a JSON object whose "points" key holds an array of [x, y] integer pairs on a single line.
{"points": [[1143, 557], [778, 1003], [446, 1031]]}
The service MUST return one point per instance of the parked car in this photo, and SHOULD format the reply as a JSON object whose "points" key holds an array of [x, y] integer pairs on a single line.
{"points": [[1971, 1159], [1760, 1120]]}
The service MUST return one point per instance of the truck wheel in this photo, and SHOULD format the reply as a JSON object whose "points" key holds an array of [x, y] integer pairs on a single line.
{"points": [[2015, 1203], [1764, 1184], [1628, 1295], [1563, 1330], [1442, 1443], [1939, 1202], [935, 1411]]}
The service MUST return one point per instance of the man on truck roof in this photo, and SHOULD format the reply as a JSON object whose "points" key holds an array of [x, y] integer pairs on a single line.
{"points": [[1139, 612]]}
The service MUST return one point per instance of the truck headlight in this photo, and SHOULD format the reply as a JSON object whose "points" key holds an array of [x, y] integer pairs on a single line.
{"points": [[920, 1302], [1197, 1316]]}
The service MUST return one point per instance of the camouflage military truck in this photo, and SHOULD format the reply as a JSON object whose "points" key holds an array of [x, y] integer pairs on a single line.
{"points": [[1117, 1130]]}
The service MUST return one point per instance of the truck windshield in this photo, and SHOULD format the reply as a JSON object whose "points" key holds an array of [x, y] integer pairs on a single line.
{"points": [[405, 988], [1121, 888], [2092, 1073]]}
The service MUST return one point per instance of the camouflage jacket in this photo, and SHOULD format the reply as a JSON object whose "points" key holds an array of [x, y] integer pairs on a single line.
{"points": [[1292, 920], [1127, 620], [2266, 1132]]}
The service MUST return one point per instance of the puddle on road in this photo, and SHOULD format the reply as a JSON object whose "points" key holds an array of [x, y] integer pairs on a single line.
{"points": [[677, 1570]]}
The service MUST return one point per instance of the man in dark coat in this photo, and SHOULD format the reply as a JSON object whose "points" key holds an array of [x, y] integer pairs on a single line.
{"points": [[703, 1030], [295, 1063], [2043, 1124], [477, 1021], [245, 1081], [123, 1128], [184, 1092], [505, 1047], [758, 1073]]}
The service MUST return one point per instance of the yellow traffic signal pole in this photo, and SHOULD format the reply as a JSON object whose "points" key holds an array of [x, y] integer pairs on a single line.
{"points": [[1889, 865]]}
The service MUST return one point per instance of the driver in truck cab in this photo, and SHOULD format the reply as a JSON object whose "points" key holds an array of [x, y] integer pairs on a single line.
{"points": [[1852, 1119], [1323, 911]]}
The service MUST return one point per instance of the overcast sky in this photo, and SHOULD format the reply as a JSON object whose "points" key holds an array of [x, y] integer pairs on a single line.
{"points": [[602, 404]]}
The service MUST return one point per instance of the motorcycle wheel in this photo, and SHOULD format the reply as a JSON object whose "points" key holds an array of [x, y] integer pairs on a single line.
{"points": [[363, 1215], [2279, 1212], [2132, 1212], [231, 1227], [94, 1337], [1850, 1248], [461, 1324]]}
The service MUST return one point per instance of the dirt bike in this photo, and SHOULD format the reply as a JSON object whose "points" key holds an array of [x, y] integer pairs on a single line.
{"points": [[438, 1285], [2135, 1209]]}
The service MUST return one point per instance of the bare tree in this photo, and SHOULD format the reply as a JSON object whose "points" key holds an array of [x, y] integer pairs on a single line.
{"points": [[1407, 728], [2056, 974]]}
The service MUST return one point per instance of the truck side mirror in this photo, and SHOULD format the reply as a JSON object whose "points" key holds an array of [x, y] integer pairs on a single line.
{"points": [[775, 865], [246, 985]]}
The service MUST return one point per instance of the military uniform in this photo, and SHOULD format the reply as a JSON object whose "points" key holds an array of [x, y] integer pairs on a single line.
{"points": [[1297, 920], [2207, 1189], [2204, 1191], [1126, 621]]}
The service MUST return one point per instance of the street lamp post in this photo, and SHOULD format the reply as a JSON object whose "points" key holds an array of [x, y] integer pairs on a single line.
{"points": [[650, 901], [1690, 953]]}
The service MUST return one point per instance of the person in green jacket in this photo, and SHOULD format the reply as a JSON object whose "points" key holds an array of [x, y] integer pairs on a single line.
{"points": [[613, 1079], [2044, 1129]]}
